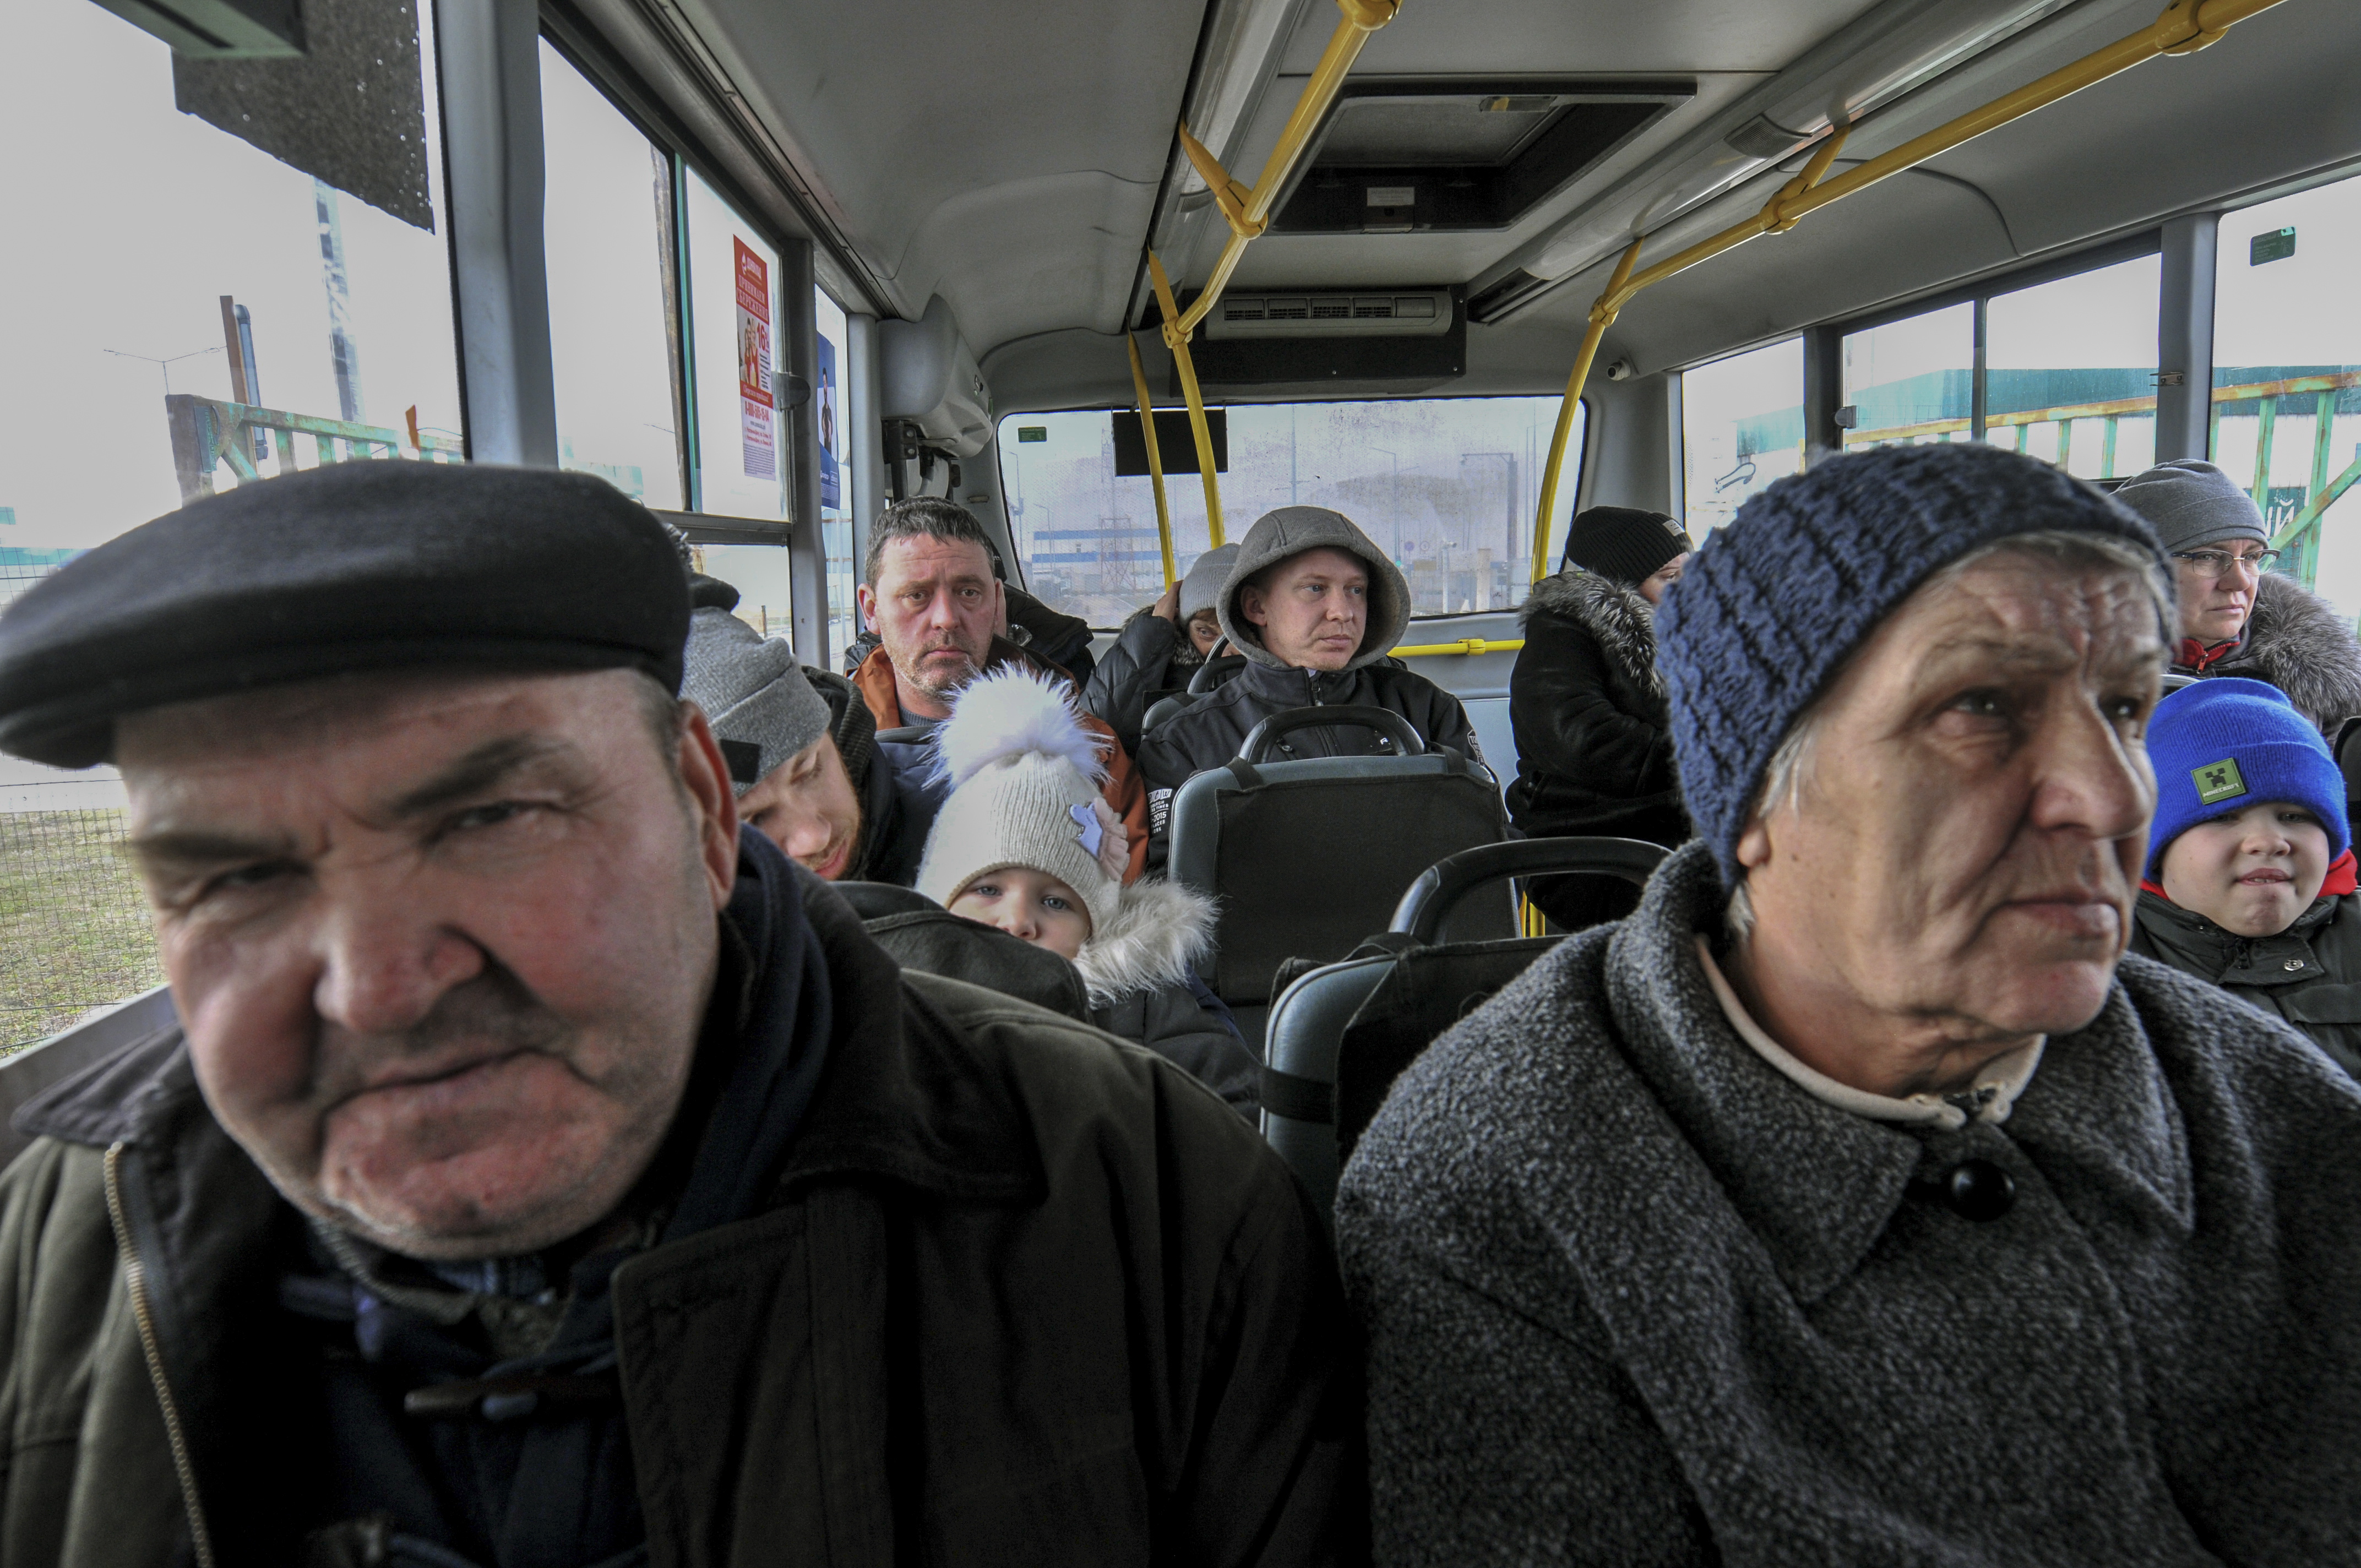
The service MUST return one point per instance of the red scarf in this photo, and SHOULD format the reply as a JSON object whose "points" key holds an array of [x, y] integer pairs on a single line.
{"points": [[2343, 877], [2199, 657]]}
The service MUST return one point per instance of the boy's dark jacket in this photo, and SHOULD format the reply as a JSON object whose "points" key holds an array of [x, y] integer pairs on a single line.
{"points": [[1018, 1294], [2310, 974]]}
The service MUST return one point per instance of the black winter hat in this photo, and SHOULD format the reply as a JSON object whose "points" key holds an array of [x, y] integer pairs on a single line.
{"points": [[365, 566], [1626, 543]]}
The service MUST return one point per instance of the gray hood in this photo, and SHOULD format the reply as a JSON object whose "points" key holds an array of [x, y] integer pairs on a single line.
{"points": [[1291, 531]]}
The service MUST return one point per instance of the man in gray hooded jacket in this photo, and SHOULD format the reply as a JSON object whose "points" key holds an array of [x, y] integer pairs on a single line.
{"points": [[1313, 606]]}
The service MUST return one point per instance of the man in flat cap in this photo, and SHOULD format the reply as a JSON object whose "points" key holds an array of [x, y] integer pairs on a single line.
{"points": [[546, 1171]]}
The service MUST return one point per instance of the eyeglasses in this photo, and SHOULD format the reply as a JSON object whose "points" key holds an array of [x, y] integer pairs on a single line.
{"points": [[2211, 564]]}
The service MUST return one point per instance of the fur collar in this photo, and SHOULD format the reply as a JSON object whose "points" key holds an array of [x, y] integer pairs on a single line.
{"points": [[1624, 622], [1158, 932], [2296, 642]]}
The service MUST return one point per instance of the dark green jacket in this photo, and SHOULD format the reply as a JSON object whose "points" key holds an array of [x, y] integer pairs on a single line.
{"points": [[1020, 1295], [2310, 974]]}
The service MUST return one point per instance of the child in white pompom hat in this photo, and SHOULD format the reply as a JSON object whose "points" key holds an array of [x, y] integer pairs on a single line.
{"points": [[1026, 842]]}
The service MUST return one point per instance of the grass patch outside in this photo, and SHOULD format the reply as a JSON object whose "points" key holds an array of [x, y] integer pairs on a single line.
{"points": [[75, 933]]}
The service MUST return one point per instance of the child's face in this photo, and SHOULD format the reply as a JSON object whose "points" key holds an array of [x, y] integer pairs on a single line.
{"points": [[2252, 873], [1030, 905], [1204, 630]]}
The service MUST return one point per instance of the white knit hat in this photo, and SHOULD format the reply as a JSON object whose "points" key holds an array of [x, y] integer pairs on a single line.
{"points": [[1024, 779]]}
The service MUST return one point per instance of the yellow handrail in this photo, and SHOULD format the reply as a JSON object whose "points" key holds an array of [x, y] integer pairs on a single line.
{"points": [[2184, 27], [1154, 458], [1361, 17], [1468, 645], [1248, 214], [1178, 341]]}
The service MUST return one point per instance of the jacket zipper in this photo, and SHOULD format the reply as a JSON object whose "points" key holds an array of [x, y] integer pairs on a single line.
{"points": [[134, 1279]]}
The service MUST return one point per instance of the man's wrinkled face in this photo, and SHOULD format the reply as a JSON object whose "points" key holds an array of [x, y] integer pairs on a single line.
{"points": [[933, 606], [1967, 841], [1312, 609], [807, 807], [441, 945]]}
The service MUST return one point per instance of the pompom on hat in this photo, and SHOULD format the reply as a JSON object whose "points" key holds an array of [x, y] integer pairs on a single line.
{"points": [[1773, 606], [1024, 779], [2221, 745]]}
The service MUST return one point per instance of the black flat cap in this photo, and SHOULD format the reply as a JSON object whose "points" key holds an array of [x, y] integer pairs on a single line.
{"points": [[363, 566]]}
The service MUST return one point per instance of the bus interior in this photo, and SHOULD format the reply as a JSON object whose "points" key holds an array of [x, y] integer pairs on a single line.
{"points": [[767, 265]]}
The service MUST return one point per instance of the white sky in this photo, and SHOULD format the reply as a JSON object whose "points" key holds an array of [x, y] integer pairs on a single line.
{"points": [[127, 221]]}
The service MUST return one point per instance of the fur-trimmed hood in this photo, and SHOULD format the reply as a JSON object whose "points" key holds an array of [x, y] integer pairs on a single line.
{"points": [[1159, 931], [1623, 623], [2296, 641]]}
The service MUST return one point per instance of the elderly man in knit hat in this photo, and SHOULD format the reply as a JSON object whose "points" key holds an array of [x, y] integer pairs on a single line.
{"points": [[1856, 1200], [543, 1168], [1160, 648], [2237, 615], [800, 744]]}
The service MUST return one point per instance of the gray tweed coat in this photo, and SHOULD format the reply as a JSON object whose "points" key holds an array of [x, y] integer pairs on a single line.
{"points": [[1634, 1297]]}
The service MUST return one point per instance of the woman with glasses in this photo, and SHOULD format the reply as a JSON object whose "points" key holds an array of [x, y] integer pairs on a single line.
{"points": [[2237, 615]]}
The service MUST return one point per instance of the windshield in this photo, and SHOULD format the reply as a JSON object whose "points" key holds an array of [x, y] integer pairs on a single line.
{"points": [[1446, 485]]}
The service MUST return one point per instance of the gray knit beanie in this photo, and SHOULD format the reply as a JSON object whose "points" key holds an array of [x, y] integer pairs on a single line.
{"points": [[2190, 503], [1202, 589], [1774, 605], [753, 693]]}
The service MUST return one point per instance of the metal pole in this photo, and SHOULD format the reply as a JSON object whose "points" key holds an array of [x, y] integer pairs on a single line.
{"points": [[2184, 338], [489, 55]]}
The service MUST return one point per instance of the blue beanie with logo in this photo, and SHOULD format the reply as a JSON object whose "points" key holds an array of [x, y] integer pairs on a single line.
{"points": [[2222, 745], [1774, 604]]}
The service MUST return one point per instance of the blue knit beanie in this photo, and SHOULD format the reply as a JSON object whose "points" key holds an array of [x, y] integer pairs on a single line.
{"points": [[1773, 606], [2222, 745]]}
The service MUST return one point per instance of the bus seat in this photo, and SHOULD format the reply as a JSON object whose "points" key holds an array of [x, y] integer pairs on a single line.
{"points": [[1340, 1036], [1488, 717], [1307, 858]]}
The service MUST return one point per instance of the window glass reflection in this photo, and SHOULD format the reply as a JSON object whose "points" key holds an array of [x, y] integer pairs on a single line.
{"points": [[2070, 373], [1742, 427], [1449, 487], [605, 220]]}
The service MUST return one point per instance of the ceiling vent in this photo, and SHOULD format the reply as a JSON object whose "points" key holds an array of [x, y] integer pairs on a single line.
{"points": [[1398, 155], [1364, 314]]}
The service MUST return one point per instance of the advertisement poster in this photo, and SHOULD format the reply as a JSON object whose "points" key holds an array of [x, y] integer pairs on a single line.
{"points": [[831, 492], [754, 363]]}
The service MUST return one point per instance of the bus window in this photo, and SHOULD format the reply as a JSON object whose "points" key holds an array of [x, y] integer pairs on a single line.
{"points": [[191, 307], [1912, 381], [2070, 373], [2287, 377], [1447, 486], [605, 223], [1742, 427], [833, 448], [733, 282]]}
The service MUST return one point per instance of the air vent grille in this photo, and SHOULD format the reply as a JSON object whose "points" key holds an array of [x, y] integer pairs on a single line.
{"points": [[1401, 314]]}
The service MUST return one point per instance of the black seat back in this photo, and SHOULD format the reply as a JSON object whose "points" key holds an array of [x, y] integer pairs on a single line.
{"points": [[1308, 858], [1340, 1035]]}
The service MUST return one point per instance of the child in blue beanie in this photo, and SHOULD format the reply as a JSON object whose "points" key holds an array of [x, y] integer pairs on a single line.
{"points": [[2250, 878]]}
